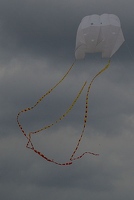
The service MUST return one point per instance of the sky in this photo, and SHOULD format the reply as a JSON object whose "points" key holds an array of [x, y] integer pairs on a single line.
{"points": [[37, 44]]}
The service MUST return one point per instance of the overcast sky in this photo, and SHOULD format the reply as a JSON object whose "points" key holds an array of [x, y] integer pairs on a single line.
{"points": [[37, 42]]}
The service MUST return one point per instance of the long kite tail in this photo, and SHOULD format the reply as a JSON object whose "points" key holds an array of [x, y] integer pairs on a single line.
{"points": [[29, 143], [72, 158], [86, 115], [39, 100], [60, 118]]}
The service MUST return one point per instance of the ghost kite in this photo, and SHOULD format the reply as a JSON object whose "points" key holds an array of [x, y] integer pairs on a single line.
{"points": [[96, 33]]}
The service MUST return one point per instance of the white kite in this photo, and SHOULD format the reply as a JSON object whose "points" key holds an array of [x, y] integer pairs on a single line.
{"points": [[95, 34], [99, 34]]}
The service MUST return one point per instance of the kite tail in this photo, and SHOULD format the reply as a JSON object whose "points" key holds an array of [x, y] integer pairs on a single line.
{"points": [[47, 93], [51, 160], [29, 143], [63, 115], [86, 115], [58, 120]]}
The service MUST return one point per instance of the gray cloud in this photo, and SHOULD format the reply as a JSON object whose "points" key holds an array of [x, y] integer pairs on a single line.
{"points": [[45, 28], [37, 47]]}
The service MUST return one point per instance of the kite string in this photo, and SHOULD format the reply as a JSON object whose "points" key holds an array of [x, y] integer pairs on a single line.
{"points": [[86, 115], [129, 50]]}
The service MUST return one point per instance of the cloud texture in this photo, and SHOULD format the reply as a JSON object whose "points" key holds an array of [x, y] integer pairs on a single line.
{"points": [[37, 42]]}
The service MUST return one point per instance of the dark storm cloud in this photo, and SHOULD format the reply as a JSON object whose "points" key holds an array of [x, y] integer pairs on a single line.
{"points": [[75, 179], [36, 28], [37, 47]]}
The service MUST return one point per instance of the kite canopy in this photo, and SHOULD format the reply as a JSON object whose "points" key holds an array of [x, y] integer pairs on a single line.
{"points": [[99, 34]]}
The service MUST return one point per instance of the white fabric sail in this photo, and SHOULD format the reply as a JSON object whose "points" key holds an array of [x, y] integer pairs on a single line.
{"points": [[99, 33]]}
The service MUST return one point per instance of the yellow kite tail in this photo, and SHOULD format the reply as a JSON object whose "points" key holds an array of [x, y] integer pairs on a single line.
{"points": [[58, 120], [86, 115], [47, 93]]}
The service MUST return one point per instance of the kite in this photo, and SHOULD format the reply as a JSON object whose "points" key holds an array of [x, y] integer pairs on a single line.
{"points": [[96, 33]]}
